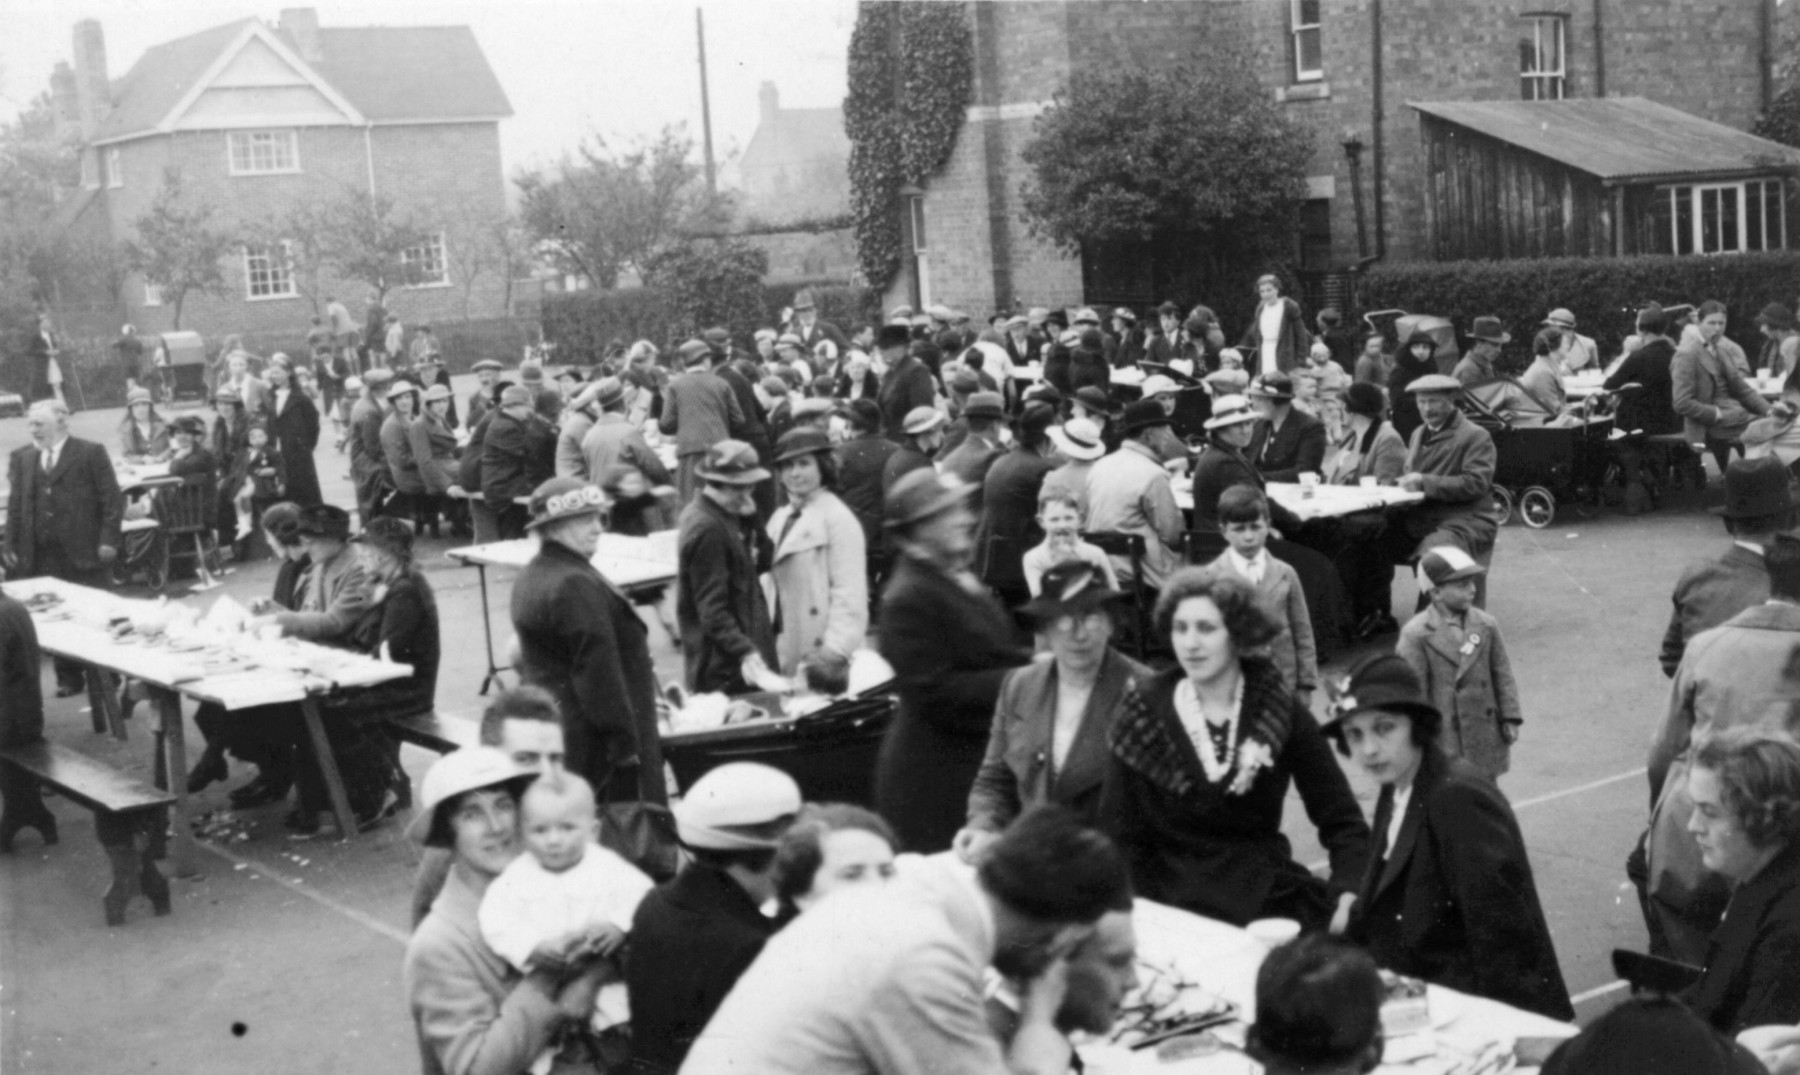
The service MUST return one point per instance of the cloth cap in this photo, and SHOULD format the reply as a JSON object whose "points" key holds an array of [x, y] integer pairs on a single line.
{"points": [[901, 311], [324, 520], [353, 384], [1071, 588], [1142, 414], [1168, 309], [1276, 386], [138, 395], [694, 352], [985, 405], [514, 395], [716, 338], [468, 769], [1079, 438], [563, 498], [532, 374], [610, 390], [1095, 399], [1231, 411], [1380, 681], [1756, 487], [735, 806], [1435, 382], [1561, 318], [1365, 399], [1156, 384], [379, 377], [486, 364], [1229, 382], [1447, 563], [732, 462], [922, 420], [922, 494], [798, 442], [773, 385], [937, 311], [1490, 330], [437, 392]]}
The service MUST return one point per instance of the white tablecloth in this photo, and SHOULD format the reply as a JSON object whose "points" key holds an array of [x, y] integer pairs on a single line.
{"points": [[1327, 500], [627, 561], [1583, 385]]}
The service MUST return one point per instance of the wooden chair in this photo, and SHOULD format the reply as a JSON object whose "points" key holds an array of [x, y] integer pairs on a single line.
{"points": [[186, 514], [1202, 546], [1131, 546]]}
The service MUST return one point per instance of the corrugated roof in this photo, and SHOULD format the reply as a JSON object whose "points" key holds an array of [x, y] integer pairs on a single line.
{"points": [[388, 73], [1618, 138]]}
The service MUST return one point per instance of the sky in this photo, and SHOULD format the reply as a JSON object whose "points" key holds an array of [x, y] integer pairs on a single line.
{"points": [[619, 68]]}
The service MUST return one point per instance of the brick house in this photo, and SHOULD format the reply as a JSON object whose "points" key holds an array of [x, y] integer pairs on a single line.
{"points": [[1345, 69], [258, 118], [793, 177]]}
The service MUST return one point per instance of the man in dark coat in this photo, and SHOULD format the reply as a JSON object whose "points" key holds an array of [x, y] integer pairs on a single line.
{"points": [[861, 469], [518, 453], [368, 461], [924, 430], [726, 633], [21, 724], [754, 430], [1451, 460], [813, 331], [63, 510], [581, 640], [1009, 504], [1757, 505], [699, 411], [950, 644], [1288, 442], [907, 383], [487, 371], [694, 936], [970, 460]]}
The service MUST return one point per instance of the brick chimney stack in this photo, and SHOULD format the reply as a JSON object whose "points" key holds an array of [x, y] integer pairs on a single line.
{"points": [[93, 87], [65, 103], [301, 26], [771, 101]]}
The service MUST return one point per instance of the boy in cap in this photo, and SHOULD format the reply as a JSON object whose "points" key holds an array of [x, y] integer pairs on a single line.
{"points": [[726, 633], [1455, 649]]}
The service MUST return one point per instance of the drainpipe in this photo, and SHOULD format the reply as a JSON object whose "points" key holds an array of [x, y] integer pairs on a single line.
{"points": [[1768, 54], [1379, 159], [1600, 52], [993, 145]]}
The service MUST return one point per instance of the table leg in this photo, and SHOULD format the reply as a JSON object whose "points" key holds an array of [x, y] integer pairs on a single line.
{"points": [[328, 768], [487, 631], [103, 700], [174, 744]]}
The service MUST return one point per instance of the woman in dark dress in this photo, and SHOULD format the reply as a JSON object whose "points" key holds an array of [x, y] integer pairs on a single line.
{"points": [[229, 441], [1415, 359], [1449, 896], [1203, 756], [294, 426]]}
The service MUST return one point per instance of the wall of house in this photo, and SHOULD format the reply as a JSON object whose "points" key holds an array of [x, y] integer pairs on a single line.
{"points": [[447, 176]]}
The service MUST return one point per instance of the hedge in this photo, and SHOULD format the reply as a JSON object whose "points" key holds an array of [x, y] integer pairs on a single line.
{"points": [[1604, 294], [583, 324]]}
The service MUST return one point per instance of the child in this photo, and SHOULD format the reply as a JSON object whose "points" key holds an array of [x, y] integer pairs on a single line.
{"points": [[1461, 661], [261, 467], [1330, 376], [1244, 520], [1059, 513], [565, 905], [822, 677]]}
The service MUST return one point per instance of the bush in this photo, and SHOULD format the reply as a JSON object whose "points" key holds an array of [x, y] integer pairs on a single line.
{"points": [[1603, 293], [584, 323]]}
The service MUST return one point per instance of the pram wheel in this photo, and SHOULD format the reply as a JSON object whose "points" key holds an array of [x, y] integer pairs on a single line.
{"points": [[1503, 504], [1537, 507]]}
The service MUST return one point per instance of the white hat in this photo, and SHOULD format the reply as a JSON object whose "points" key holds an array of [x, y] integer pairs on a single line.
{"points": [[1085, 315], [725, 807], [468, 769], [1156, 384], [1079, 438], [1231, 411]]}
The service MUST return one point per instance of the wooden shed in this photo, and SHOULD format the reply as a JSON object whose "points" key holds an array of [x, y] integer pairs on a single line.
{"points": [[1587, 178]]}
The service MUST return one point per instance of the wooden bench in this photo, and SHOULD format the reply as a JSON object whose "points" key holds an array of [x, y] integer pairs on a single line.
{"points": [[130, 818], [440, 732]]}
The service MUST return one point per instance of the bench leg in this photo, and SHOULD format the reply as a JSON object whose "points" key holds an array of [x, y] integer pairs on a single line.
{"points": [[129, 840], [22, 807]]}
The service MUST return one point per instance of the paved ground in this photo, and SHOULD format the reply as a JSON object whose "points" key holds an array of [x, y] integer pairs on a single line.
{"points": [[285, 957]]}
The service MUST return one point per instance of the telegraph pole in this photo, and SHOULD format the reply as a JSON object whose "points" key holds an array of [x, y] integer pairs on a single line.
{"points": [[712, 182]]}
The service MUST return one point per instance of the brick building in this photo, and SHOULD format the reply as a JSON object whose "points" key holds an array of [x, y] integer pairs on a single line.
{"points": [[794, 179], [1345, 69], [258, 119]]}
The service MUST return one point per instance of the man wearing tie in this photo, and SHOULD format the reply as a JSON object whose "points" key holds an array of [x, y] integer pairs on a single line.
{"points": [[63, 511], [1711, 393]]}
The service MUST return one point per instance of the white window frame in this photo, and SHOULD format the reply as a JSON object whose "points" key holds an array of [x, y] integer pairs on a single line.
{"points": [[241, 152], [1299, 29], [915, 209], [276, 269], [115, 168], [422, 252], [1540, 82], [152, 294], [1774, 232]]}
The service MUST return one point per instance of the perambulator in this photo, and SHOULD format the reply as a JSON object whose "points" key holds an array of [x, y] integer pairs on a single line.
{"points": [[1538, 464]]}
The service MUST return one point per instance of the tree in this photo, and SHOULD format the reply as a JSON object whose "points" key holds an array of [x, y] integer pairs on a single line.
{"points": [[1781, 123], [1200, 171], [368, 239], [177, 248], [474, 243], [301, 239], [597, 213], [707, 282], [35, 166]]}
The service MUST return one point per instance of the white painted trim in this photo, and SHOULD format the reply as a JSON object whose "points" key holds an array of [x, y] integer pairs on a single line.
{"points": [[259, 32], [231, 168], [263, 123], [1012, 110], [1321, 186], [436, 122]]}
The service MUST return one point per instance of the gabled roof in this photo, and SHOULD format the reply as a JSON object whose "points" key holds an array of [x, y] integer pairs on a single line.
{"points": [[1620, 139], [795, 136], [387, 74]]}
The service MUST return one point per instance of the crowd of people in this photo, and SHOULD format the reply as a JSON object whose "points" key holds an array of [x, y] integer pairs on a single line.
{"points": [[981, 507]]}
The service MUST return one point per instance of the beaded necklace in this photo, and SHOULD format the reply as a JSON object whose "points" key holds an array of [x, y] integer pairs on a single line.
{"points": [[1218, 747]]}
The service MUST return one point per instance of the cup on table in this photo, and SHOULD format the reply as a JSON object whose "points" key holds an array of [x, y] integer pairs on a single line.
{"points": [[1309, 484], [1765, 374], [1368, 481], [1273, 932]]}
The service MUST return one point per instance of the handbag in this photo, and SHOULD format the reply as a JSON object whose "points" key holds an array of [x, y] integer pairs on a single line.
{"points": [[643, 834]]}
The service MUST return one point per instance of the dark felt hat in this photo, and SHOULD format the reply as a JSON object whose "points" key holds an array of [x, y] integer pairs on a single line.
{"points": [[1071, 588], [1489, 329], [893, 336], [1142, 414], [1756, 487], [732, 462], [1380, 681], [922, 494], [798, 442], [324, 520], [1365, 399]]}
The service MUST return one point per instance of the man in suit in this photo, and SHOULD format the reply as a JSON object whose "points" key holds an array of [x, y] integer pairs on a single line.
{"points": [[924, 435], [1288, 442], [1130, 491], [1710, 391], [63, 512], [1009, 504], [1757, 506], [755, 428], [699, 411], [615, 439], [722, 552], [907, 383], [517, 454], [890, 978], [813, 331], [971, 460], [487, 374], [1477, 367], [1451, 460], [1022, 346]]}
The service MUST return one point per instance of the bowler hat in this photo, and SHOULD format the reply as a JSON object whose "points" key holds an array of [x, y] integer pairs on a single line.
{"points": [[324, 520], [1142, 414], [1044, 392], [1071, 589], [469, 769], [738, 806], [893, 336], [922, 420], [1380, 681], [1365, 399], [985, 405], [563, 498], [1095, 399], [798, 442], [1276, 386], [922, 494], [732, 462], [1489, 330], [1756, 487]]}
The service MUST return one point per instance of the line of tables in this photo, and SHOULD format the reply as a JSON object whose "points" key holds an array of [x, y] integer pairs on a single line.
{"points": [[1323, 501], [236, 671], [1583, 385]]}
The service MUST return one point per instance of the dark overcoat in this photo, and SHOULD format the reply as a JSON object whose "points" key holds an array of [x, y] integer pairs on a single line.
{"points": [[77, 505], [719, 602], [295, 430], [1749, 977]]}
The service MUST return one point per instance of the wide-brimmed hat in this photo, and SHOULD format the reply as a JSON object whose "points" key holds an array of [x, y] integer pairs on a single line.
{"points": [[1095, 399], [1085, 316], [922, 420], [922, 494], [1365, 399], [1561, 318], [1071, 589], [803, 300], [985, 405], [1756, 488], [324, 520], [1018, 321], [138, 395], [1079, 439], [1380, 681], [798, 442], [1490, 330], [1277, 386], [437, 392], [608, 391], [1447, 563], [469, 769], [1435, 382], [738, 806], [557, 499], [1142, 414], [1231, 411], [732, 462]]}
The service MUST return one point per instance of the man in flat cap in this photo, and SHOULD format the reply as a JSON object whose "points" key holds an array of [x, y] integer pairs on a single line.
{"points": [[699, 411], [517, 455]]}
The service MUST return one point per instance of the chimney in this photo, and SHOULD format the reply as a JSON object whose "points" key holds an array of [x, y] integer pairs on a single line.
{"points": [[771, 101], [93, 88], [301, 25], [65, 103]]}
